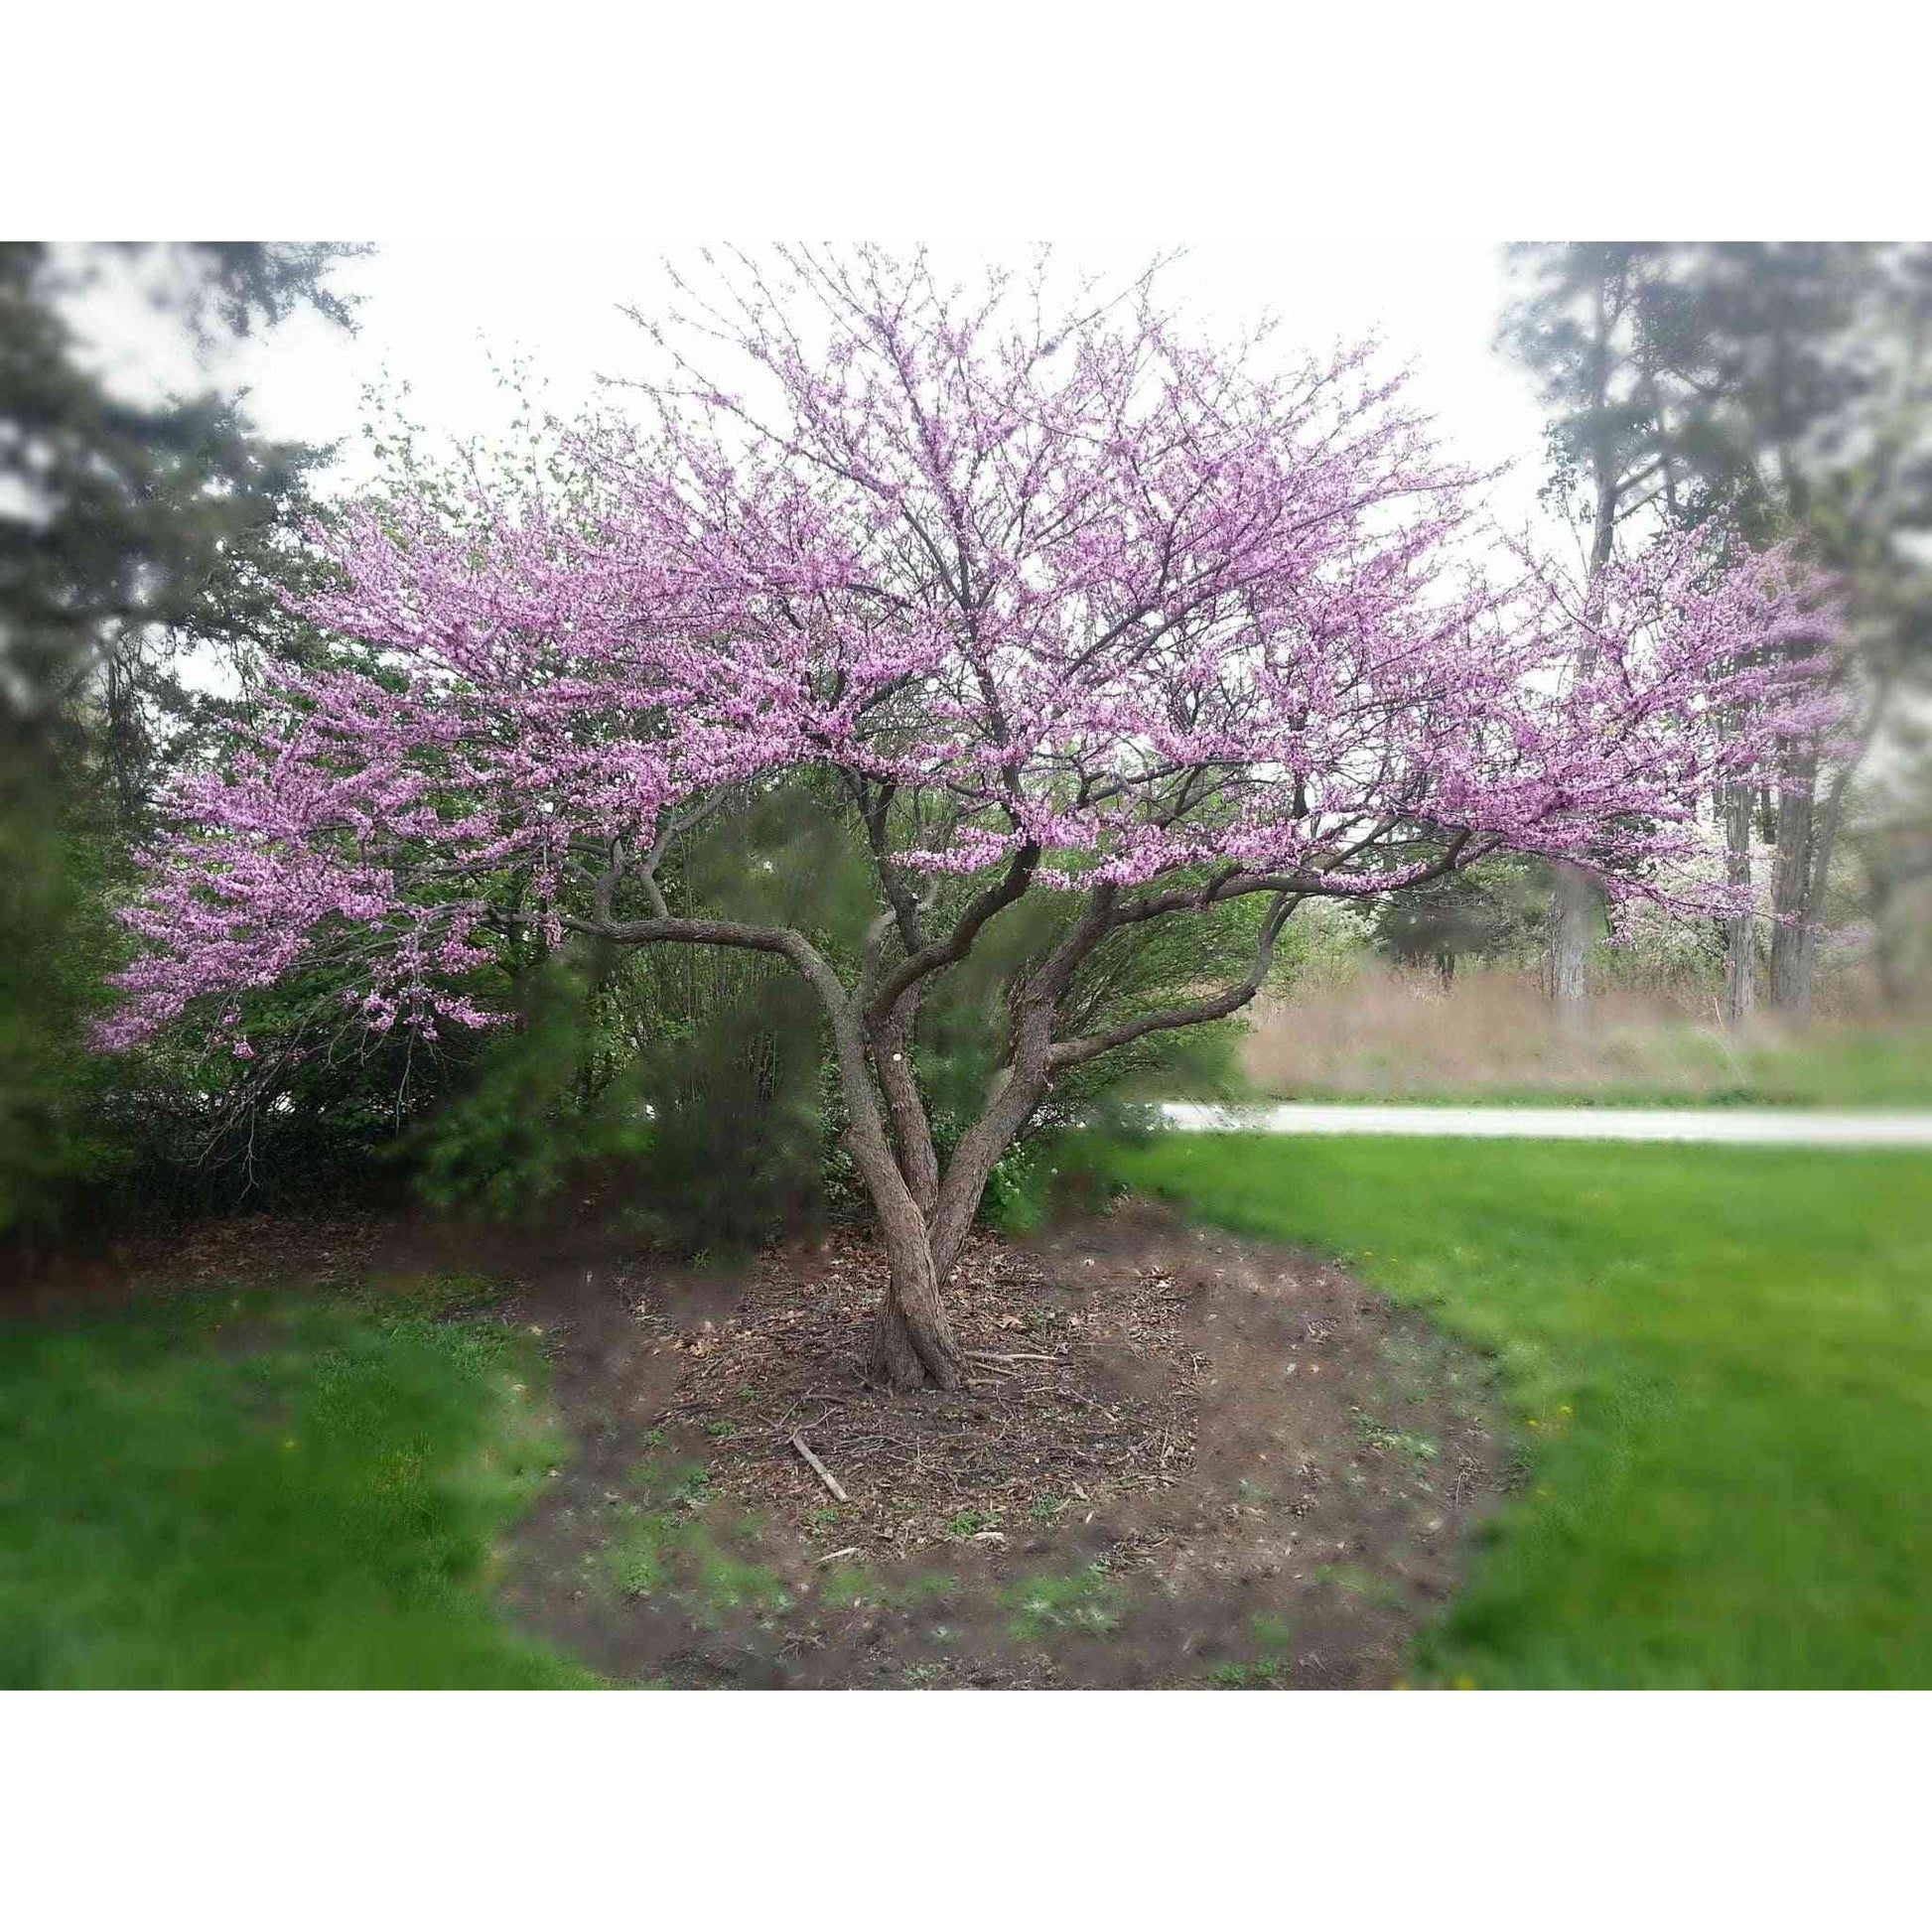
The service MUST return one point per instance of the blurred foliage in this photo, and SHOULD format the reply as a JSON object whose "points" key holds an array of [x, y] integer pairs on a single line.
{"points": [[510, 1134], [1497, 910], [1785, 387], [123, 521], [737, 1146], [695, 1084], [132, 532], [964, 1022]]}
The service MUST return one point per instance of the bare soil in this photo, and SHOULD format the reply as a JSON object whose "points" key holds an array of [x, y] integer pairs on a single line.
{"points": [[1185, 1460]]}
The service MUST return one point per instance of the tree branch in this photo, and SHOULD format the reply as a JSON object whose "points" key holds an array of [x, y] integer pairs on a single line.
{"points": [[1011, 886], [892, 1059], [1074, 1053]]}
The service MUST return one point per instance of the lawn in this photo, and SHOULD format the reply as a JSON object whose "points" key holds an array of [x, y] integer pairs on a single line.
{"points": [[239, 1489], [1721, 1359]]}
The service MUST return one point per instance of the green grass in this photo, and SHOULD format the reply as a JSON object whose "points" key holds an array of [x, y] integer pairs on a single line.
{"points": [[671, 1482], [852, 1586], [1087, 1603], [266, 1492], [1721, 1359], [666, 1546], [1358, 1581], [678, 1555], [1273, 1640], [1417, 1448]]}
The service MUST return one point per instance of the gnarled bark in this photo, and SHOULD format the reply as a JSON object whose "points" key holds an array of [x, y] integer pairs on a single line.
{"points": [[912, 1343], [891, 1059]]}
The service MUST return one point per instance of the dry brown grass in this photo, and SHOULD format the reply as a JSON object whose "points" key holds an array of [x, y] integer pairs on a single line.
{"points": [[1372, 1030]]}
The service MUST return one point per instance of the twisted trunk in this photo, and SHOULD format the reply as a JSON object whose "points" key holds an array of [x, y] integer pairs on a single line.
{"points": [[925, 1215], [912, 1343], [891, 1056]]}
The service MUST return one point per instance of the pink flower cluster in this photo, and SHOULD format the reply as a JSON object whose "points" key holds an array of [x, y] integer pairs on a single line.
{"points": [[1081, 586]]}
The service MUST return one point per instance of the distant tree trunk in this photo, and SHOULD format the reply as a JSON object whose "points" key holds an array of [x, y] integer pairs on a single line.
{"points": [[1570, 938], [1792, 938], [1741, 966], [1892, 984], [1579, 900]]}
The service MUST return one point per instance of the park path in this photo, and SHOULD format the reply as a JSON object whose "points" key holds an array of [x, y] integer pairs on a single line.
{"points": [[1738, 1126]]}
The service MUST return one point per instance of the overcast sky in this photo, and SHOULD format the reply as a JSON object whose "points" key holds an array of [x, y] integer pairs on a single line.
{"points": [[433, 316]]}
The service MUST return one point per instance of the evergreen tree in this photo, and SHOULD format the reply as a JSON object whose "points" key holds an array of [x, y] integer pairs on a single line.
{"points": [[127, 530]]}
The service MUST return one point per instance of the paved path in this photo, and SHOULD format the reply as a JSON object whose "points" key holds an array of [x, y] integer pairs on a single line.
{"points": [[1749, 1126]]}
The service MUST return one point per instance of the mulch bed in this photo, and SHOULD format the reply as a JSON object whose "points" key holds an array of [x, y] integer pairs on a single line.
{"points": [[1198, 1459], [1049, 1414]]}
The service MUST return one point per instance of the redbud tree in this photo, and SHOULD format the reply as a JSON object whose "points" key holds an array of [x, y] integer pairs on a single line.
{"points": [[1057, 601]]}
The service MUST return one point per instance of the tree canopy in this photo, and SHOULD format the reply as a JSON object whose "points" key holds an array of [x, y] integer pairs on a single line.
{"points": [[1054, 601]]}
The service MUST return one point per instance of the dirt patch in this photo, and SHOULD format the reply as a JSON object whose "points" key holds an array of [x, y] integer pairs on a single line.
{"points": [[1184, 1460]]}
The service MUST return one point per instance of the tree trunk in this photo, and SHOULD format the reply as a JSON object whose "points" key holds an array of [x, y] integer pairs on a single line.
{"points": [[913, 1345], [1576, 894], [1791, 894], [891, 1054], [1576, 917], [1740, 968]]}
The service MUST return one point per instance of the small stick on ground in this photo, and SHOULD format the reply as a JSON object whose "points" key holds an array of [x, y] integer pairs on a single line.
{"points": [[824, 1474], [971, 1357]]}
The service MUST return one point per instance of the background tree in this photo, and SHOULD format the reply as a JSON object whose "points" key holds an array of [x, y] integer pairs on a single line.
{"points": [[1781, 387], [1585, 324], [126, 527], [1054, 604], [1494, 910], [1807, 364]]}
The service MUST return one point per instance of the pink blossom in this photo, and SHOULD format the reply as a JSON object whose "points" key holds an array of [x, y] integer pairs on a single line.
{"points": [[1098, 601]]}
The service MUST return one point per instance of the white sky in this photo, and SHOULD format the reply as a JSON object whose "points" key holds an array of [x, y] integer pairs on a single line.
{"points": [[434, 315]]}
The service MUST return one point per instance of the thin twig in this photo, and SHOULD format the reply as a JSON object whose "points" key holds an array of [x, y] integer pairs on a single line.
{"points": [[824, 1474]]}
